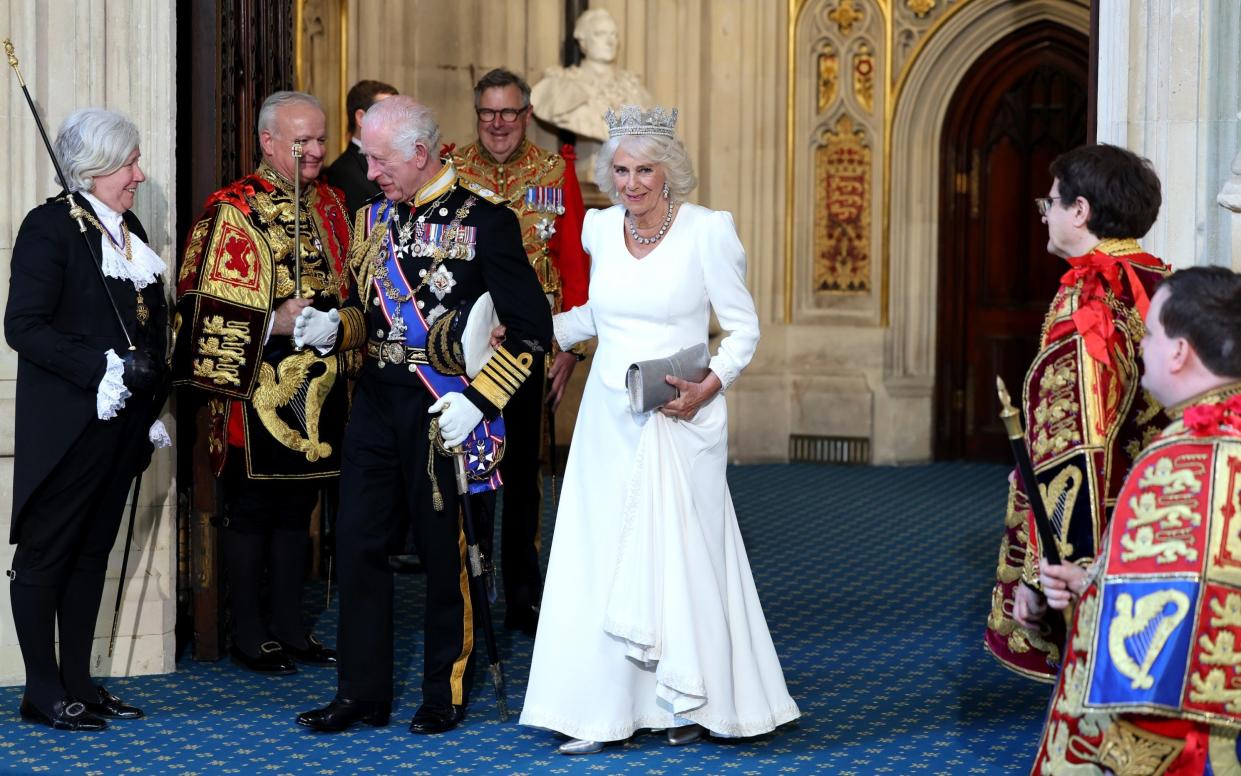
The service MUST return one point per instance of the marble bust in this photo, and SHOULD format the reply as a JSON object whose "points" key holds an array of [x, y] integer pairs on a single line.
{"points": [[575, 98]]}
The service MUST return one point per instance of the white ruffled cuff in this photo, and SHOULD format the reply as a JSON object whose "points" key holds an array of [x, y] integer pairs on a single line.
{"points": [[112, 391], [159, 435]]}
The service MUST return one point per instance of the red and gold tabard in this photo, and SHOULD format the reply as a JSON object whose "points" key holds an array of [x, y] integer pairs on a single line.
{"points": [[1152, 676], [542, 189], [1086, 419], [283, 409]]}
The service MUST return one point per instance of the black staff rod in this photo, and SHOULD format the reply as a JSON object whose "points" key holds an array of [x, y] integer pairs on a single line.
{"points": [[1017, 440], [475, 558], [120, 583], [75, 210]]}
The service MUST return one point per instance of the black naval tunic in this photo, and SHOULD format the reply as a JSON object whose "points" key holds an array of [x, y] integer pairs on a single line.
{"points": [[388, 460]]}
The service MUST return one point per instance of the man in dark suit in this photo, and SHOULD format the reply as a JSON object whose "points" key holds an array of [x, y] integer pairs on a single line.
{"points": [[430, 245], [348, 172]]}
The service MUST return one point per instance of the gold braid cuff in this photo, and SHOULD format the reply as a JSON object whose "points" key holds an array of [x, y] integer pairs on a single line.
{"points": [[502, 376], [352, 329]]}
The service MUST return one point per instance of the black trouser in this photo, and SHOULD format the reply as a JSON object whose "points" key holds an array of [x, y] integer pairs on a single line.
{"points": [[384, 480], [265, 536], [65, 534], [520, 533]]}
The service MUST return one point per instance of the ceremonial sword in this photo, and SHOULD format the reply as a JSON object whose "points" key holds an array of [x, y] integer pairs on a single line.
{"points": [[475, 559]]}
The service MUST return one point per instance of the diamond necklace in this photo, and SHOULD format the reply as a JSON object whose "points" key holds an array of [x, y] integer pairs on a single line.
{"points": [[633, 228]]}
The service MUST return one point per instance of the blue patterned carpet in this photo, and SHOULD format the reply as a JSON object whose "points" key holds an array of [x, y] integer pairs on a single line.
{"points": [[875, 582]]}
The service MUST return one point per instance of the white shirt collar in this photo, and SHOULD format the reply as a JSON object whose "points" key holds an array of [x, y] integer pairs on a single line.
{"points": [[107, 216]]}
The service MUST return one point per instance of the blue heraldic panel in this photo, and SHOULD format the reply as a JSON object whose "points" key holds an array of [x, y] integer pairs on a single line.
{"points": [[1142, 643]]}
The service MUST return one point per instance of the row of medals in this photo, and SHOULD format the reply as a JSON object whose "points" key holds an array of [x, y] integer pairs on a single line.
{"points": [[450, 245]]}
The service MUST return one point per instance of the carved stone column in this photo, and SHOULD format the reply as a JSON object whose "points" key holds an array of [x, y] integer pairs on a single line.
{"points": [[1168, 90], [1230, 199], [122, 56]]}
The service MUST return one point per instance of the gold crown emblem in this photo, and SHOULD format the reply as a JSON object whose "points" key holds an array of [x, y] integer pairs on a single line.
{"points": [[632, 120]]}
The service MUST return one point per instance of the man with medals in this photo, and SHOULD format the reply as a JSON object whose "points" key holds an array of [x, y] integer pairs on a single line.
{"points": [[266, 247], [1150, 684], [542, 189], [1087, 417], [424, 253]]}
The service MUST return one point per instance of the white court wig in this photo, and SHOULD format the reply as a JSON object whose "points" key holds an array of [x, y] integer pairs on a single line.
{"points": [[91, 143], [667, 153]]}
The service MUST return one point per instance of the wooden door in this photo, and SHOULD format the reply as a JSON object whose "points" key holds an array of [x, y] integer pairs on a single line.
{"points": [[1023, 103]]}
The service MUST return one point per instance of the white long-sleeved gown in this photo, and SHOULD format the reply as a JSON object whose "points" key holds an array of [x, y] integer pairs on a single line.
{"points": [[649, 611]]}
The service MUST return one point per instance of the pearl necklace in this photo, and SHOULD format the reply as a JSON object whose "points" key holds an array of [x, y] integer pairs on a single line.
{"points": [[633, 228]]}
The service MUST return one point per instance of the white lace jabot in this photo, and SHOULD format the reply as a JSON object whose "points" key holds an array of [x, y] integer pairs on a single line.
{"points": [[146, 263]]}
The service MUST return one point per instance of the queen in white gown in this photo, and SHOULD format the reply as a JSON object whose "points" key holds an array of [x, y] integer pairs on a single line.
{"points": [[650, 617]]}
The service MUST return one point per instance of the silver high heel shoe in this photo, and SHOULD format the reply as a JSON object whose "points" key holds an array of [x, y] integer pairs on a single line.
{"points": [[580, 746], [686, 734]]}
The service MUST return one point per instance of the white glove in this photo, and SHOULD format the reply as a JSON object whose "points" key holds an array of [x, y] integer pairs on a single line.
{"points": [[458, 417], [316, 328]]}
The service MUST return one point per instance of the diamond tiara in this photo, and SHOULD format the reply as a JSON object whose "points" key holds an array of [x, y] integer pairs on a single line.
{"points": [[632, 120]]}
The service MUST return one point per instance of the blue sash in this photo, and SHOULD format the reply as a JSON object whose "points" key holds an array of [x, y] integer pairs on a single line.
{"points": [[486, 441]]}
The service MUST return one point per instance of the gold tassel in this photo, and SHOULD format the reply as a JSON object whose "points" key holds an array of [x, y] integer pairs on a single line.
{"points": [[437, 498]]}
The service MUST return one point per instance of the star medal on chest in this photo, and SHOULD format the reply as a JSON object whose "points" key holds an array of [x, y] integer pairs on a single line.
{"points": [[441, 282], [545, 228]]}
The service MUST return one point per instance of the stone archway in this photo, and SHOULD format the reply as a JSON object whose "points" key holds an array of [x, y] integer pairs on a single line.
{"points": [[913, 215]]}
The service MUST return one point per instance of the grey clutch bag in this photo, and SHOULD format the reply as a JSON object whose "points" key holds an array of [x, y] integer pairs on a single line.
{"points": [[645, 379]]}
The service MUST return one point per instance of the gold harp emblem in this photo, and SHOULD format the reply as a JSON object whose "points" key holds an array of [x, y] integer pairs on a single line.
{"points": [[293, 387], [1060, 497], [1139, 630]]}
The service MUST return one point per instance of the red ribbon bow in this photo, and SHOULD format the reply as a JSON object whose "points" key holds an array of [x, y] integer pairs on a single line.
{"points": [[1093, 317]]}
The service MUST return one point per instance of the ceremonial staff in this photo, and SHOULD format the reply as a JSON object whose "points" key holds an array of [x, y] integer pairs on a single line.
{"points": [[297, 219], [477, 582], [1025, 469], [75, 210]]}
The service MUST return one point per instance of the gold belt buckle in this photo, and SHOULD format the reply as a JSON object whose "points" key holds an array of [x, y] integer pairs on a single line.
{"points": [[393, 352]]}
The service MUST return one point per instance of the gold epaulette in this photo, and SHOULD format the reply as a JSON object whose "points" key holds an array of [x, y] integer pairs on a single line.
{"points": [[502, 375], [484, 192]]}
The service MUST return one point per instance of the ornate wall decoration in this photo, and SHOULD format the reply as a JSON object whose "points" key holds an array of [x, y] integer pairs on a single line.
{"points": [[911, 21], [845, 16], [829, 76], [842, 242], [864, 76]]}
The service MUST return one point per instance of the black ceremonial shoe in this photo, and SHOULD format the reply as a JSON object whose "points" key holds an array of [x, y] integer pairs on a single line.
{"points": [[430, 720], [67, 714], [111, 706], [315, 654], [342, 713], [271, 660]]}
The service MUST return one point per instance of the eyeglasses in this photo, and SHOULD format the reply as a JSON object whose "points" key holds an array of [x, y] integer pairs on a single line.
{"points": [[508, 114], [1043, 204]]}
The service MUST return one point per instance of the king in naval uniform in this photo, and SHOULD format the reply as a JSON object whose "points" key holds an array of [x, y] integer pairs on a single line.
{"points": [[424, 252], [542, 189]]}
